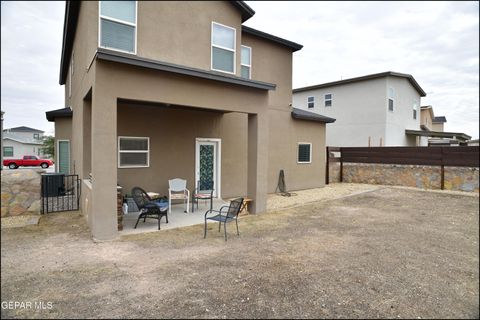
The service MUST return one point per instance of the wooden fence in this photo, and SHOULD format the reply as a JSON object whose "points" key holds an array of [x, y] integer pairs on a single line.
{"points": [[427, 156]]}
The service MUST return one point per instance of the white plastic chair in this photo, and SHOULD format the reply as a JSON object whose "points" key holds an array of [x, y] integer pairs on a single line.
{"points": [[177, 190]]}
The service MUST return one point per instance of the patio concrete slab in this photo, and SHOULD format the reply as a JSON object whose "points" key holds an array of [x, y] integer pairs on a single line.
{"points": [[177, 218]]}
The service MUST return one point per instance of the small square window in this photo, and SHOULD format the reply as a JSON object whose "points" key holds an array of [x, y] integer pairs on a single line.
{"points": [[311, 102], [304, 152], [8, 151], [36, 136], [328, 100]]}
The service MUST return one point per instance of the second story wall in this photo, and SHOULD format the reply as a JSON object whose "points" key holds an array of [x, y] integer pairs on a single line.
{"points": [[402, 117], [359, 110], [180, 32], [272, 63]]}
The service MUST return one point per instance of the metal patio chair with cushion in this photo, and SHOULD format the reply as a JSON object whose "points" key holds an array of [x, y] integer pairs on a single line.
{"points": [[226, 214], [199, 194], [177, 190], [148, 208]]}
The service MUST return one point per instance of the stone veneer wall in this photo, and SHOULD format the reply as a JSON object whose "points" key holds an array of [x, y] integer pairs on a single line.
{"points": [[426, 177], [21, 192]]}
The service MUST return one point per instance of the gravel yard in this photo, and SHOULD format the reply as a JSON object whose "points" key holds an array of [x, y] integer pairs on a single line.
{"points": [[371, 252]]}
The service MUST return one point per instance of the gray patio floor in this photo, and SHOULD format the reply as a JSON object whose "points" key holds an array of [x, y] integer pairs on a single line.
{"points": [[176, 218]]}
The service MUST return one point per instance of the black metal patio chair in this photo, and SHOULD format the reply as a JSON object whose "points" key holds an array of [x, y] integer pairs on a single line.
{"points": [[148, 208], [199, 194], [226, 214]]}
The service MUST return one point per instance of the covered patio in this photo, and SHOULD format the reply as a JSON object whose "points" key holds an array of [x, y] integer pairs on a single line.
{"points": [[174, 113]]}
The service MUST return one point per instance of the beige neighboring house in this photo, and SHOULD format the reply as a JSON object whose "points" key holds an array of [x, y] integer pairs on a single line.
{"points": [[432, 132], [159, 90], [21, 141]]}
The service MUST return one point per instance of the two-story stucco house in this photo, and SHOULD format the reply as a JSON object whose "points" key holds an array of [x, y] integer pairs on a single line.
{"points": [[154, 88], [372, 110], [20, 141]]}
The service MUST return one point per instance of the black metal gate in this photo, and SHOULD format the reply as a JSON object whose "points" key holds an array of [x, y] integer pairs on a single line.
{"points": [[60, 192]]}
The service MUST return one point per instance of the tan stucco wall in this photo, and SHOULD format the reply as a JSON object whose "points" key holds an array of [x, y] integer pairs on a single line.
{"points": [[285, 134], [181, 32], [172, 135], [437, 127], [426, 118]]}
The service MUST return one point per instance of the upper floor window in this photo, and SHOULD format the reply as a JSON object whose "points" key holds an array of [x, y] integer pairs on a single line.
{"points": [[311, 102], [328, 100], [415, 108], [118, 23], [223, 48], [391, 98], [246, 71], [36, 136]]}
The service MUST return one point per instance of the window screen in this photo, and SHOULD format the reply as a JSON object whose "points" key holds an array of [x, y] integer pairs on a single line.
{"points": [[133, 152], [223, 48], [304, 153], [311, 102], [117, 25]]}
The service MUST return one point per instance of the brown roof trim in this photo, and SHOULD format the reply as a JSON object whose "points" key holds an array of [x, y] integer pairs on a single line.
{"points": [[439, 134], [108, 55], [439, 119], [59, 113], [292, 45], [307, 115], [72, 8], [244, 8], [409, 77]]}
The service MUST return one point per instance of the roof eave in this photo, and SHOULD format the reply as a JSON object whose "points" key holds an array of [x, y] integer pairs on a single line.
{"points": [[292, 45], [410, 78]]}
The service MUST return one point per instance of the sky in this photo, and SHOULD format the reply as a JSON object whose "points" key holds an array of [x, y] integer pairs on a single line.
{"points": [[436, 42]]}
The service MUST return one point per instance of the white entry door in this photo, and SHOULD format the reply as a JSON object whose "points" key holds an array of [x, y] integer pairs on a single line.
{"points": [[207, 165]]}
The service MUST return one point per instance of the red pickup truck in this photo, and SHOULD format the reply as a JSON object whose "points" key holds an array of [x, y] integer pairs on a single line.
{"points": [[27, 161]]}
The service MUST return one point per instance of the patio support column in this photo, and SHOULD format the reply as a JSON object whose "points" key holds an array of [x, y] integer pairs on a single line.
{"points": [[104, 166], [257, 161]]}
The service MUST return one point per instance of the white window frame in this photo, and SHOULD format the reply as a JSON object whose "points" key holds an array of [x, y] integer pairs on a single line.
{"points": [[100, 17], [391, 98], [224, 48], [308, 107], [133, 151], [246, 65], [325, 100], [311, 152]]}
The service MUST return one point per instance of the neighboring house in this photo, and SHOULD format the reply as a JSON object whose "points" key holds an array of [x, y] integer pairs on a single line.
{"points": [[159, 90], [372, 110], [21, 141], [432, 132]]}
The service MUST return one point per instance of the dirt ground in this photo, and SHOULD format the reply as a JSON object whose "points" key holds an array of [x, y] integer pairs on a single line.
{"points": [[386, 253]]}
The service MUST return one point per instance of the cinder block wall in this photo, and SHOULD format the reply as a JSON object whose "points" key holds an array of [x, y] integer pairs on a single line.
{"points": [[425, 177]]}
